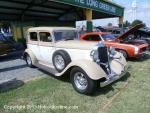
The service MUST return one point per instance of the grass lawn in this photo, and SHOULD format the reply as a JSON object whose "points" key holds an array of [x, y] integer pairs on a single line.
{"points": [[49, 91]]}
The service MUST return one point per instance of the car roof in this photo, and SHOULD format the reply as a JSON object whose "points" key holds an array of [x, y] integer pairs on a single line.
{"points": [[93, 33], [50, 28]]}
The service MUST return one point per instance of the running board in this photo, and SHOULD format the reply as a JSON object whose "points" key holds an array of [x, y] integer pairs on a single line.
{"points": [[47, 67]]}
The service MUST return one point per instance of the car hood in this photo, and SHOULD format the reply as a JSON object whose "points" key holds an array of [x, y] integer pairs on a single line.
{"points": [[132, 30], [77, 44]]}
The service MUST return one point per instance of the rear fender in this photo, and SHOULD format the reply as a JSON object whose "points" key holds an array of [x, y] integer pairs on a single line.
{"points": [[31, 54]]}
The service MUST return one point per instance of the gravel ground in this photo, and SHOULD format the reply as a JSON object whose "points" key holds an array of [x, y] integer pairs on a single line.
{"points": [[13, 67]]}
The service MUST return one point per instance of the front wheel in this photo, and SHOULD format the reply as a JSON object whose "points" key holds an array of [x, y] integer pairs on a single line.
{"points": [[81, 82], [124, 53]]}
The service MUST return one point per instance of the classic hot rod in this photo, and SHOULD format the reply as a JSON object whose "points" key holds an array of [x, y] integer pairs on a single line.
{"points": [[58, 50]]}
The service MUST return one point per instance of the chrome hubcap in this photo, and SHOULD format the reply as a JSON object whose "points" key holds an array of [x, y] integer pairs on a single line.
{"points": [[80, 81], [124, 54], [29, 62], [59, 62]]}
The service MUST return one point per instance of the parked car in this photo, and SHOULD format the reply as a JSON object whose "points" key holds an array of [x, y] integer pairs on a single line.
{"points": [[139, 33], [8, 44], [58, 50], [129, 49], [5, 47]]}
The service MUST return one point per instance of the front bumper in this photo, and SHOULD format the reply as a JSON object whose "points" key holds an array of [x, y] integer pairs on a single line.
{"points": [[145, 52], [114, 78], [142, 54]]}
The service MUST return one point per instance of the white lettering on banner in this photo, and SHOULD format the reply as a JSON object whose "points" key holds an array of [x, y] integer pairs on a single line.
{"points": [[80, 1], [97, 4], [92, 3]]}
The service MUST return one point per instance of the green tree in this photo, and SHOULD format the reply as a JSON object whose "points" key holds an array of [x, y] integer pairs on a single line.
{"points": [[136, 22]]}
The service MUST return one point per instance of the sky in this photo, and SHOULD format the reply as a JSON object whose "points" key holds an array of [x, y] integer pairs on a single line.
{"points": [[143, 13]]}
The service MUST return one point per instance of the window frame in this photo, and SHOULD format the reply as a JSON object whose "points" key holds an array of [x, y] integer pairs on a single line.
{"points": [[31, 38], [45, 41]]}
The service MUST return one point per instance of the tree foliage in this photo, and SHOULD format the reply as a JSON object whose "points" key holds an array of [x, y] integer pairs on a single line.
{"points": [[136, 22]]}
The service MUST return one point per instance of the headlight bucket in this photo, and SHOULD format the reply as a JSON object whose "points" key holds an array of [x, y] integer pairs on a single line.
{"points": [[112, 51], [94, 55]]}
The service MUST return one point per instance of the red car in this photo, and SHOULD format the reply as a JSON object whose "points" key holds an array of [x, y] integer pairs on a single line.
{"points": [[124, 44]]}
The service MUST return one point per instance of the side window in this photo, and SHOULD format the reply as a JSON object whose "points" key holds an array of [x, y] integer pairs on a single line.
{"points": [[45, 37], [33, 36], [92, 38]]}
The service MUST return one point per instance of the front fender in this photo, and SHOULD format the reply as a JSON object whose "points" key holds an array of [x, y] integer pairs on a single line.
{"points": [[93, 70]]}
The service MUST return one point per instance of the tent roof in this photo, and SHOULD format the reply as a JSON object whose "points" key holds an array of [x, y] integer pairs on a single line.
{"points": [[61, 10]]}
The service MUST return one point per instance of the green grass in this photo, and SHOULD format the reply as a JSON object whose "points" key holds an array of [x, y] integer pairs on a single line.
{"points": [[136, 97], [50, 91]]}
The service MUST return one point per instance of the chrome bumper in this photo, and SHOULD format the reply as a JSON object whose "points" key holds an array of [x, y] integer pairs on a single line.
{"points": [[145, 52], [116, 77]]}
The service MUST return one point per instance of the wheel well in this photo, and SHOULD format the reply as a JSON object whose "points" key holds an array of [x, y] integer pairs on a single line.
{"points": [[69, 70], [122, 50], [25, 55]]}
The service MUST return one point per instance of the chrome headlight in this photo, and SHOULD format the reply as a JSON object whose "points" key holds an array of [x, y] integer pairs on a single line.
{"points": [[112, 51], [94, 55], [136, 50]]}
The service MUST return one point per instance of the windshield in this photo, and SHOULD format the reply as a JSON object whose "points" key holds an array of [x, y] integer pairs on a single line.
{"points": [[66, 35], [108, 36]]}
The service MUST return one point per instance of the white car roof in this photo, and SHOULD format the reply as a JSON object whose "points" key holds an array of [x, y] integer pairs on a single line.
{"points": [[50, 28]]}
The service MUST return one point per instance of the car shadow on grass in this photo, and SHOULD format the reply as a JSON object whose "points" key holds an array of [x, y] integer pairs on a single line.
{"points": [[110, 88], [9, 85], [100, 91], [141, 59]]}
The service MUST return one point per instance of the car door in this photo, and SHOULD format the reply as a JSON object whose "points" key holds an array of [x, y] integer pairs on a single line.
{"points": [[33, 43], [46, 46]]}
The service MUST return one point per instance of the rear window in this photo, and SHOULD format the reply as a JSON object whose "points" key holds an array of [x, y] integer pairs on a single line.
{"points": [[33, 36]]}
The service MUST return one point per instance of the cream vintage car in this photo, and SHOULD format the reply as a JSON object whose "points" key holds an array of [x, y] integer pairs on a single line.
{"points": [[59, 51]]}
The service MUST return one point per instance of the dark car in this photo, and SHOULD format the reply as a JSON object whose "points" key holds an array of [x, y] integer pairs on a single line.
{"points": [[137, 34], [7, 44], [143, 35], [5, 47]]}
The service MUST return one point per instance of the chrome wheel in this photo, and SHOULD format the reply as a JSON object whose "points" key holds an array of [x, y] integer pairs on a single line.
{"points": [[123, 53], [59, 62], [28, 60], [80, 81]]}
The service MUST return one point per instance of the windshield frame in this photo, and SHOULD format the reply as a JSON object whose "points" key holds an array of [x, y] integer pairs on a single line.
{"points": [[108, 37]]}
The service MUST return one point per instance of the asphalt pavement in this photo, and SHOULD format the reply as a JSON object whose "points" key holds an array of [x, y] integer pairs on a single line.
{"points": [[12, 66]]}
